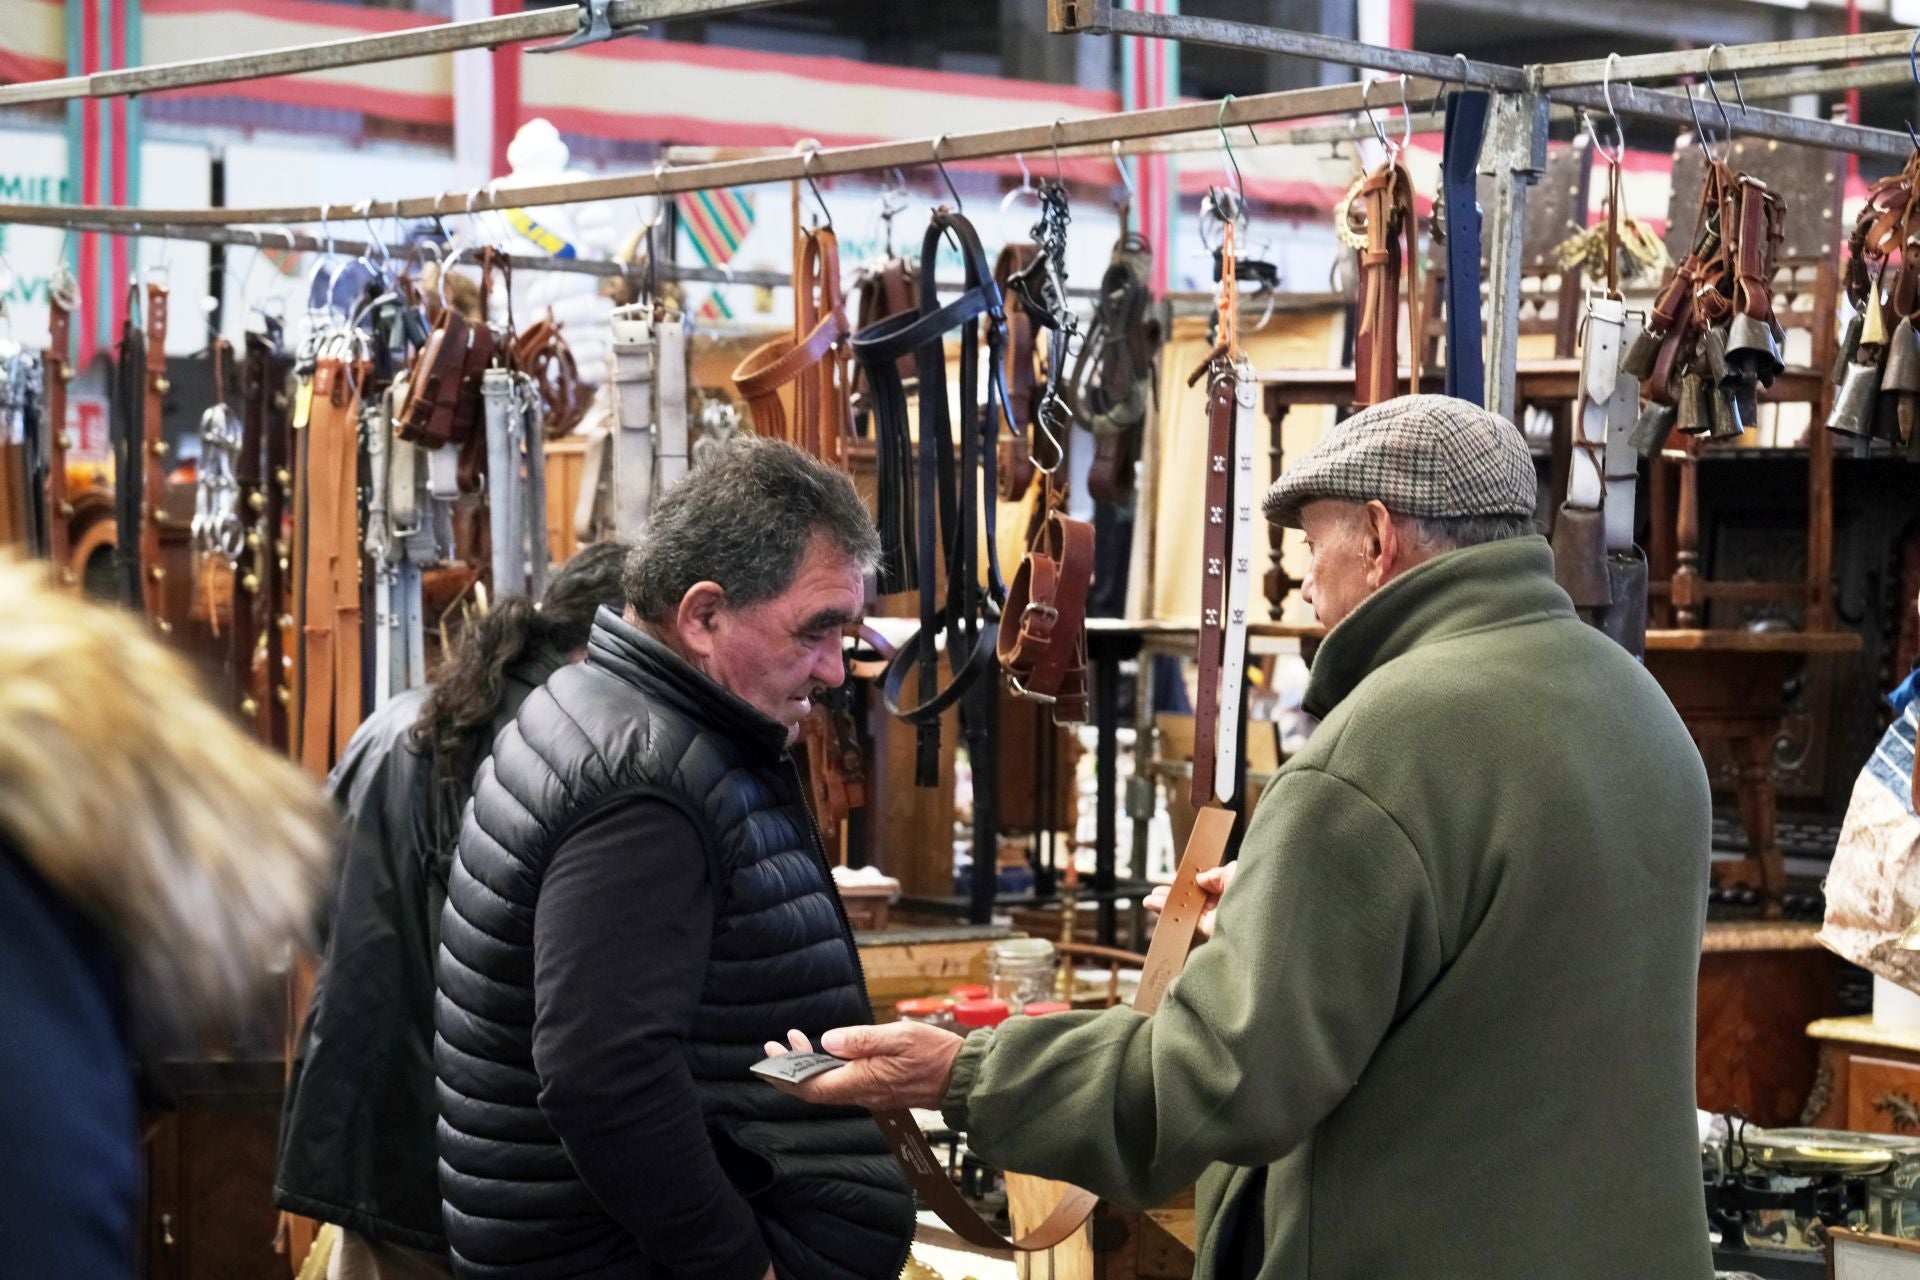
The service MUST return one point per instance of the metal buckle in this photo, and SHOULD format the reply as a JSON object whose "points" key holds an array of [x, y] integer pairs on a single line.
{"points": [[1023, 691]]}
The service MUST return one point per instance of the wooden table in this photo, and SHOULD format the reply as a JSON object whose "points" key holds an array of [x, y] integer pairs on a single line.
{"points": [[1760, 983]]}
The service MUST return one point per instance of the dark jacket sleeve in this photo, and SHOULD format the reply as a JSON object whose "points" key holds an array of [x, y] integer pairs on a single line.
{"points": [[620, 943]]}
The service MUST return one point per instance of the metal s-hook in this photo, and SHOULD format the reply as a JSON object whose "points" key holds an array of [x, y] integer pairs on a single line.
{"points": [[1586, 120], [1392, 148], [939, 164], [1053, 137], [1126, 178], [1726, 121], [1026, 187], [1459, 79], [1913, 65], [1239, 212], [806, 171]]}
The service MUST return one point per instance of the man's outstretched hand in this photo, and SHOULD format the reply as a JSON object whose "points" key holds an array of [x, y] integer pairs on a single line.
{"points": [[889, 1068], [1215, 882]]}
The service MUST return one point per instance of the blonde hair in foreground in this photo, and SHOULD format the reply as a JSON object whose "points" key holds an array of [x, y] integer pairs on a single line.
{"points": [[200, 851]]}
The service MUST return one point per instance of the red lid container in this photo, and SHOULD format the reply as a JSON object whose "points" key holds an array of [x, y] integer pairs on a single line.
{"points": [[980, 1013], [973, 992], [925, 1007], [1040, 1008]]}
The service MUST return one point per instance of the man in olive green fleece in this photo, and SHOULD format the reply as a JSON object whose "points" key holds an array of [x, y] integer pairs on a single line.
{"points": [[1444, 1026]]}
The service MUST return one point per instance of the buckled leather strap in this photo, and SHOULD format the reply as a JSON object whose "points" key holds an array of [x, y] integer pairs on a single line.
{"points": [[812, 362], [1043, 638]]}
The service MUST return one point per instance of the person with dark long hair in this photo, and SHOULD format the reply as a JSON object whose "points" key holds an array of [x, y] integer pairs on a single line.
{"points": [[357, 1132]]}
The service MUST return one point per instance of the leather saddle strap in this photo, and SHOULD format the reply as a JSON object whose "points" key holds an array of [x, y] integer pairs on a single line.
{"points": [[153, 457], [818, 423], [277, 484], [1754, 284], [1376, 355], [1022, 388], [56, 373], [249, 503], [1173, 940], [331, 613], [1466, 128], [1222, 408], [950, 496]]}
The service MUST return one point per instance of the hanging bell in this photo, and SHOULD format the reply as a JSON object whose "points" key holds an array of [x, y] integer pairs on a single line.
{"points": [[1853, 407], [1901, 372], [1849, 348], [1873, 331], [1713, 356], [1728, 422], [1580, 556], [1753, 350], [1651, 429], [1641, 354], [1695, 413]]}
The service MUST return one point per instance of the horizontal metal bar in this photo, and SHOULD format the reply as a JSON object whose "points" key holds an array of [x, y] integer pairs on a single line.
{"points": [[1307, 44], [1123, 126], [1751, 122], [1879, 75], [626, 16], [1818, 51]]}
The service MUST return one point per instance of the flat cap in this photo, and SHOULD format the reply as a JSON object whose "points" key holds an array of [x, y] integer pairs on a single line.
{"points": [[1431, 457]]}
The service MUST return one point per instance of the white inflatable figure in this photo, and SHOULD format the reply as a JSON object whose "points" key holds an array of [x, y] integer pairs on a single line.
{"points": [[537, 156]]}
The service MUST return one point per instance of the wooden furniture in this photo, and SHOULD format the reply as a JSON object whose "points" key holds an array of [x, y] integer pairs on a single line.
{"points": [[902, 964], [1869, 1077], [208, 1212], [1760, 983]]}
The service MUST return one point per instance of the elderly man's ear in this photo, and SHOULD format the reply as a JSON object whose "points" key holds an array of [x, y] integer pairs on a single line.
{"points": [[1381, 545]]}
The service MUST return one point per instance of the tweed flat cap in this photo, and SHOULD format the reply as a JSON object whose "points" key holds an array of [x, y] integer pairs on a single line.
{"points": [[1432, 457]]}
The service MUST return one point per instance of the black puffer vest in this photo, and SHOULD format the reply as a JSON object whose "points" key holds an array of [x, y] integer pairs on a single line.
{"points": [[634, 718]]}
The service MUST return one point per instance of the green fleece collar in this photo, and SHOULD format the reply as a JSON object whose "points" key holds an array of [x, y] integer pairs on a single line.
{"points": [[1493, 585]]}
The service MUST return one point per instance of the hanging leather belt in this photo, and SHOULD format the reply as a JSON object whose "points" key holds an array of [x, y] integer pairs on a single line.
{"points": [[1172, 942], [329, 604], [153, 460], [1466, 128], [1023, 377], [890, 291], [1042, 641], [250, 577], [813, 361], [55, 372], [954, 501], [1385, 203]]}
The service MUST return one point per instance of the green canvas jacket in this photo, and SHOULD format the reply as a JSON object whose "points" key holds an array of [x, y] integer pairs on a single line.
{"points": [[1445, 1025]]}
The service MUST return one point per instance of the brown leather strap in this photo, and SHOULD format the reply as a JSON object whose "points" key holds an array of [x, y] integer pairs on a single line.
{"points": [[153, 458], [543, 355], [330, 603], [1173, 940], [1042, 643], [56, 373], [813, 361]]}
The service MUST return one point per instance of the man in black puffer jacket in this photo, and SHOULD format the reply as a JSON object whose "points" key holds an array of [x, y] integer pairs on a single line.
{"points": [[640, 900]]}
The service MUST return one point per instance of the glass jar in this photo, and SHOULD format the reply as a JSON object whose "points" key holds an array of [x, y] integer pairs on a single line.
{"points": [[974, 1014], [935, 1011], [1021, 970]]}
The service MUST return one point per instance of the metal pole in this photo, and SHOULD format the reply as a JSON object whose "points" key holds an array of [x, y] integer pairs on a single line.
{"points": [[626, 17], [1721, 59]]}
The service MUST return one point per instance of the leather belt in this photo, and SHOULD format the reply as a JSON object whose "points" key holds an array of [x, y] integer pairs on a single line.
{"points": [[329, 599], [1386, 204], [813, 361], [55, 373], [1239, 560], [1166, 955], [954, 500], [516, 483], [890, 291], [153, 460], [1466, 128], [1042, 641], [1023, 376]]}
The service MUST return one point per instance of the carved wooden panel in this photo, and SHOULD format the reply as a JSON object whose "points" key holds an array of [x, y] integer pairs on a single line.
{"points": [[1883, 1096]]}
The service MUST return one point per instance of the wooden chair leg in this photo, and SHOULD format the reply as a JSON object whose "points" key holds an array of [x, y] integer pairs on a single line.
{"points": [[1754, 754]]}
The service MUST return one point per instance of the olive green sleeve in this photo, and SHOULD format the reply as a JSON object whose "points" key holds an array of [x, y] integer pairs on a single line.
{"points": [[1328, 932]]}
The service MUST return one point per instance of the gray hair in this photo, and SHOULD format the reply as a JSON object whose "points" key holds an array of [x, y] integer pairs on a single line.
{"points": [[744, 522], [1438, 534]]}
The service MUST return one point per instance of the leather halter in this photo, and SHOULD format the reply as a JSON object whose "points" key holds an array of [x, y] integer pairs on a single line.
{"points": [[955, 499], [1386, 203], [813, 361], [1115, 381]]}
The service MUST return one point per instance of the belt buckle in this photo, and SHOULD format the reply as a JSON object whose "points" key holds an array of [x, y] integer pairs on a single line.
{"points": [[1014, 681]]}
